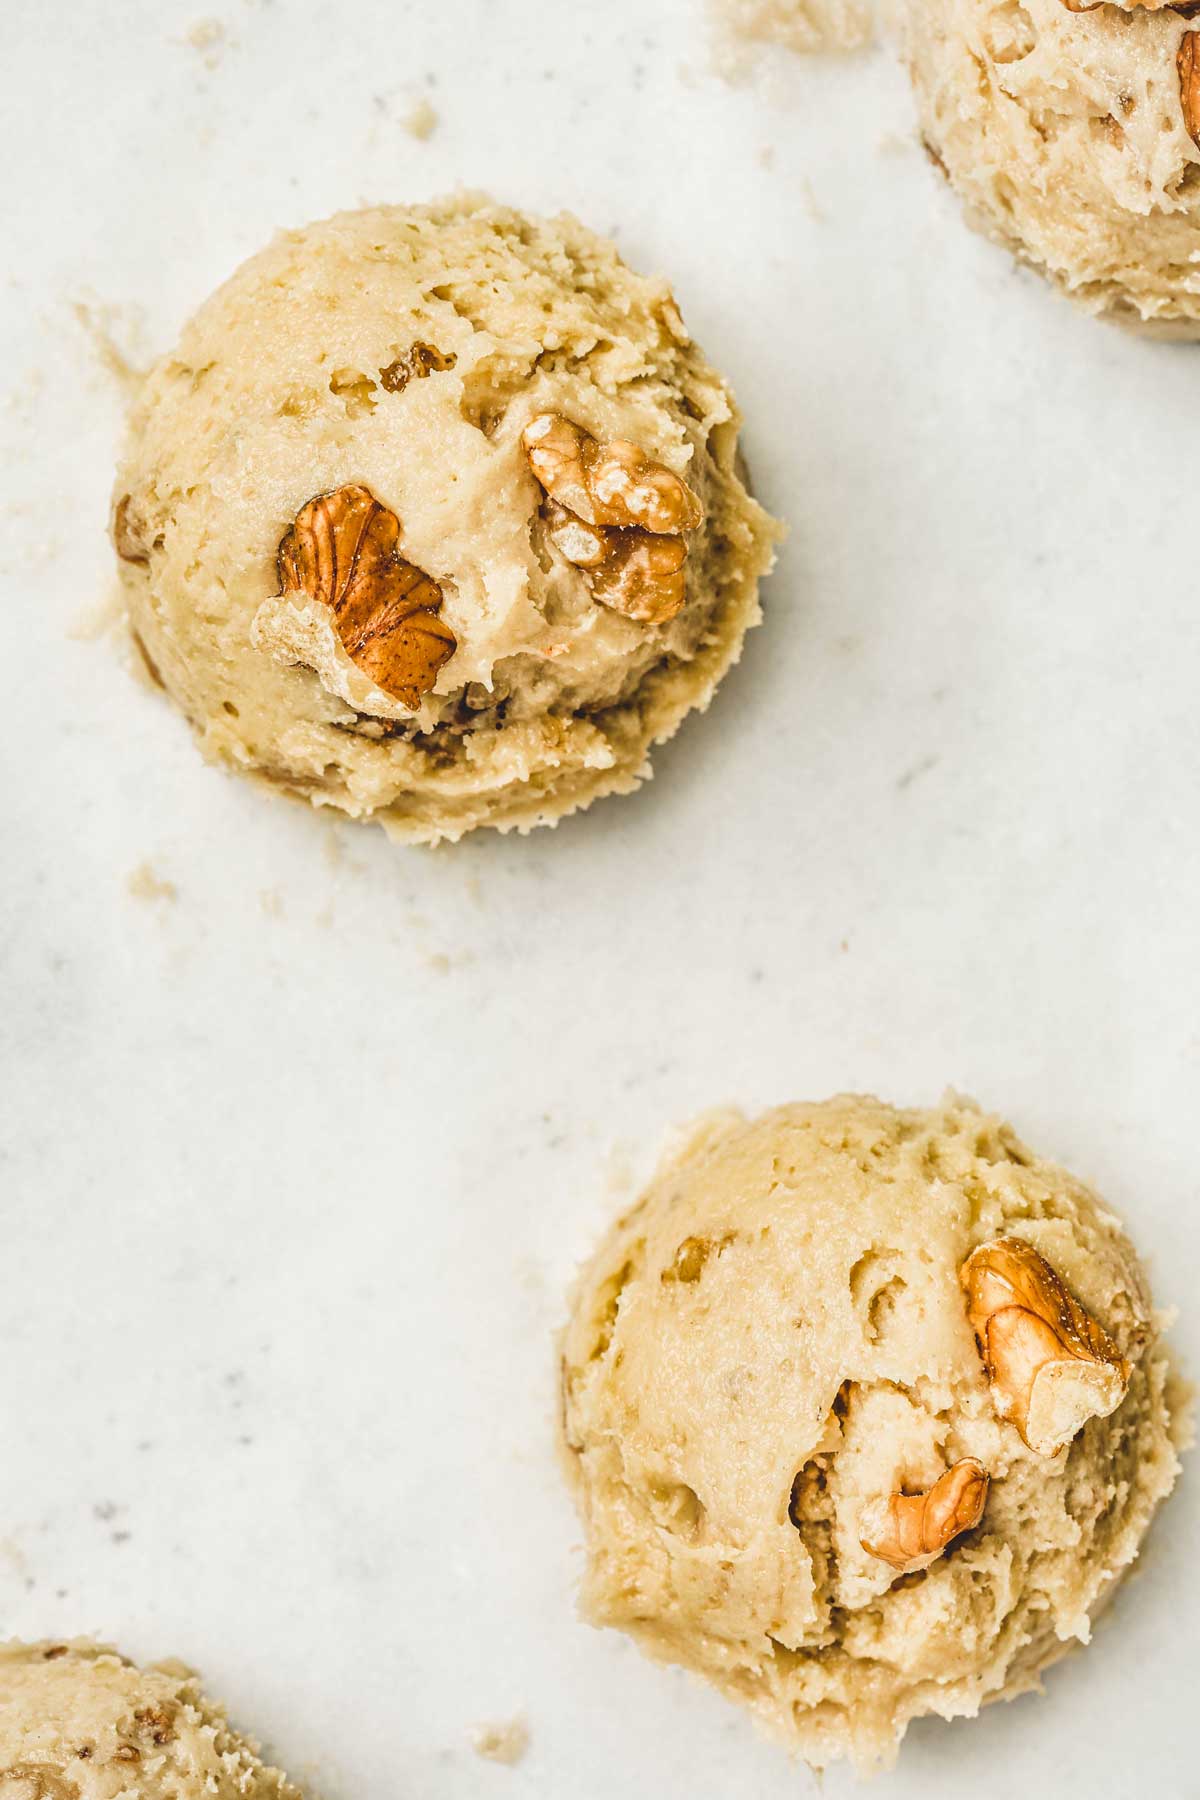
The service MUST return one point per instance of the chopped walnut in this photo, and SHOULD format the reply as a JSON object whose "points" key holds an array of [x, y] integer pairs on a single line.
{"points": [[1050, 1365], [157, 1722], [127, 532], [1188, 63], [910, 1531], [615, 514], [687, 1265], [415, 364], [341, 552]]}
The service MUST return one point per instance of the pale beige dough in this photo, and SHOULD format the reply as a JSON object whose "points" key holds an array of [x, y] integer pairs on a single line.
{"points": [[1064, 133], [805, 26], [275, 394], [775, 1336], [80, 1722]]}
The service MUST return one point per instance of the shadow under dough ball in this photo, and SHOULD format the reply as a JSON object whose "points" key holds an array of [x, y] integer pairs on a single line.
{"points": [[1072, 135], [80, 1722], [434, 515], [866, 1413]]}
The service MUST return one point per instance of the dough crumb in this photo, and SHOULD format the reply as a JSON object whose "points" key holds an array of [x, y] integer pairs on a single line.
{"points": [[807, 27], [421, 120], [811, 204], [98, 618], [208, 37], [271, 901], [143, 884], [102, 323], [501, 1741]]}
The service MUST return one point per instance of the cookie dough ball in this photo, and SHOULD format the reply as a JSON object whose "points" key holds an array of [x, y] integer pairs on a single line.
{"points": [[79, 1722], [866, 1413], [435, 515], [1073, 136]]}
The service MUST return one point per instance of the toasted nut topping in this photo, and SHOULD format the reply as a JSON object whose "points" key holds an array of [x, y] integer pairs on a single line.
{"points": [[910, 1531], [1051, 1366], [607, 484], [417, 362], [1188, 62], [342, 552]]}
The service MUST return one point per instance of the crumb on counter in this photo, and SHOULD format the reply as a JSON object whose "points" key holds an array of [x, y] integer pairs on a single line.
{"points": [[421, 120], [808, 27], [501, 1741], [143, 884]]}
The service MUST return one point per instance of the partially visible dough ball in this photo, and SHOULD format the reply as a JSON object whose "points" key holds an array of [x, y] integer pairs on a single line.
{"points": [[773, 1342], [80, 1722], [1066, 135], [397, 356]]}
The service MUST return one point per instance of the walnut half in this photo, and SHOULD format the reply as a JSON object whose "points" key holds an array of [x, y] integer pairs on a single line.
{"points": [[910, 1531], [1050, 1365], [341, 552], [613, 512]]}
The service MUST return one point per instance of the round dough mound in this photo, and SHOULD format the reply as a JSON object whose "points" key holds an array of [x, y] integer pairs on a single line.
{"points": [[1064, 132], [311, 370], [80, 1722], [774, 1337]]}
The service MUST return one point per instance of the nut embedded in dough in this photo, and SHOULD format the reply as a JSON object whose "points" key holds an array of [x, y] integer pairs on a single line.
{"points": [[616, 514], [1188, 62], [342, 553], [768, 1361], [910, 1531], [395, 359], [80, 1722], [1051, 1366]]}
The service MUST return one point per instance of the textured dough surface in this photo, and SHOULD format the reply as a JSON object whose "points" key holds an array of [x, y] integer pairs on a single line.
{"points": [[275, 395], [80, 1722], [773, 1336], [1064, 134]]}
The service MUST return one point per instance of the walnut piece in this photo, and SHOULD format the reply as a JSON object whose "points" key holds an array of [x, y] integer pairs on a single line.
{"points": [[415, 364], [910, 1531], [1184, 8], [633, 571], [342, 552], [1188, 63], [607, 484], [617, 515], [127, 532], [1050, 1365]]}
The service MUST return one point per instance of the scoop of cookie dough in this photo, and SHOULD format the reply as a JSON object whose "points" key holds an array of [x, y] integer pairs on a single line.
{"points": [[435, 515], [866, 1413], [1073, 136], [80, 1722]]}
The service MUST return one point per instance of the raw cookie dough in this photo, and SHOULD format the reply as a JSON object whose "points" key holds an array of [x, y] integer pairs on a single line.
{"points": [[486, 651], [79, 1722], [1074, 138], [774, 1342]]}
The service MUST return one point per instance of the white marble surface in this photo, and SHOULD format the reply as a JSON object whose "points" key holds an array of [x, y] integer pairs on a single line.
{"points": [[297, 1164]]}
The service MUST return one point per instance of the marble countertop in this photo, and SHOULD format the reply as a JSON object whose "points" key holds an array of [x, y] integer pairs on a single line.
{"points": [[305, 1134]]}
